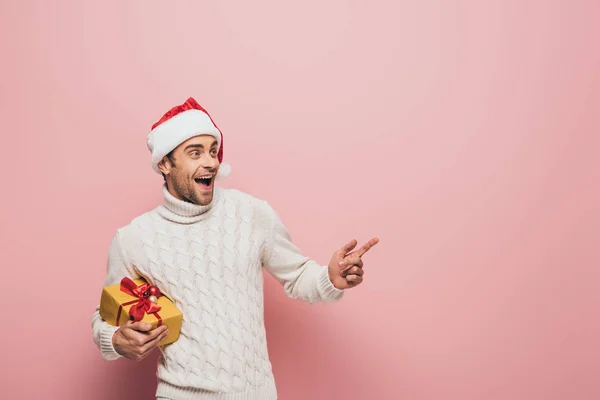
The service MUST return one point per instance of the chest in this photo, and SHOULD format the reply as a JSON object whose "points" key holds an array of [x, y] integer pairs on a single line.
{"points": [[214, 258]]}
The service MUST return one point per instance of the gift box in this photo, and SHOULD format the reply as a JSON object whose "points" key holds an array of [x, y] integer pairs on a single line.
{"points": [[139, 301]]}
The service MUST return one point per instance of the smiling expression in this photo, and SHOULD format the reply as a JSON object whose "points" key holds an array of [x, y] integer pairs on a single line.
{"points": [[191, 169]]}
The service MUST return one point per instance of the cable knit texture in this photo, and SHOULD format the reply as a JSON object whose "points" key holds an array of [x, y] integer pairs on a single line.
{"points": [[208, 260]]}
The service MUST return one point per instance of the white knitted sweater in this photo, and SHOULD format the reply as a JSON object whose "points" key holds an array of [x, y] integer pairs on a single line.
{"points": [[208, 260]]}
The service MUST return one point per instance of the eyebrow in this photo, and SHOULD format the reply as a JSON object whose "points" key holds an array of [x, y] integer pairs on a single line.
{"points": [[199, 145]]}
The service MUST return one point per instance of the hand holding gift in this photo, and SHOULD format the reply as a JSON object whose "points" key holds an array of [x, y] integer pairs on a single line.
{"points": [[145, 317], [136, 340]]}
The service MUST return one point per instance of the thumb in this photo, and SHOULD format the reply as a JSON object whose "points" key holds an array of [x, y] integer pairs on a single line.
{"points": [[347, 247], [140, 326]]}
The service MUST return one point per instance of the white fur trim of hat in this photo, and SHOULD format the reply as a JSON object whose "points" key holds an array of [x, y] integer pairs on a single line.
{"points": [[179, 124]]}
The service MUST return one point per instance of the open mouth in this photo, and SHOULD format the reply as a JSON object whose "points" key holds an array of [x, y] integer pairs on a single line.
{"points": [[204, 181]]}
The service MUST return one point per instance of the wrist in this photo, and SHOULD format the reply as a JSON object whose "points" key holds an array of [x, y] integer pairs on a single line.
{"points": [[331, 278], [107, 343], [328, 289]]}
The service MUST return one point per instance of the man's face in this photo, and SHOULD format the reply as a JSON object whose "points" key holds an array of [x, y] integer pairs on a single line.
{"points": [[191, 171]]}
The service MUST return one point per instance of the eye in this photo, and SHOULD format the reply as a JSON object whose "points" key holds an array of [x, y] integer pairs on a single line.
{"points": [[195, 153], [214, 152]]}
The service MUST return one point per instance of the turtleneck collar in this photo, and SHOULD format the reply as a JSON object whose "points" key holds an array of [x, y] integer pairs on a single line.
{"points": [[184, 212]]}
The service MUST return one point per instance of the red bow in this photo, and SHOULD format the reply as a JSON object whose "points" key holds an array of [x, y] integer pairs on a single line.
{"points": [[142, 305]]}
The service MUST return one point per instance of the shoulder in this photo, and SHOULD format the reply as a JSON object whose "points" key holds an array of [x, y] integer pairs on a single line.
{"points": [[244, 198], [129, 233], [248, 203], [238, 195]]}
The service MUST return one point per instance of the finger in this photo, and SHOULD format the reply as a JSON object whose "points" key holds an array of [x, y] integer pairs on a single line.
{"points": [[130, 333], [354, 271], [354, 279], [152, 343], [141, 338], [144, 338], [139, 326], [132, 330], [136, 339], [157, 332], [367, 246], [347, 247], [351, 260], [148, 347], [144, 327]]}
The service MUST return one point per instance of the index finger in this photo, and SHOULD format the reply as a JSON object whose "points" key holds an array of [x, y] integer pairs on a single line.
{"points": [[140, 327], [144, 337], [156, 332], [367, 246]]}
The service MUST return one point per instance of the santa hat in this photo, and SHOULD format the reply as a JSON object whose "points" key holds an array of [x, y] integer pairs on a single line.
{"points": [[179, 124]]}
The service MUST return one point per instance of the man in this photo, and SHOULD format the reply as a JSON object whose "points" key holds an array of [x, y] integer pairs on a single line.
{"points": [[204, 248]]}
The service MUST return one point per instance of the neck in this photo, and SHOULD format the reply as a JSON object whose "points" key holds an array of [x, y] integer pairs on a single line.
{"points": [[184, 212]]}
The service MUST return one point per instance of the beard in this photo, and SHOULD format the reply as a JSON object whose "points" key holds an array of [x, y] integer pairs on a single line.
{"points": [[187, 189]]}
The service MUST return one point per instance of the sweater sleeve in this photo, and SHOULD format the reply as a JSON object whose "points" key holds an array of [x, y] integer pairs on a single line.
{"points": [[301, 277], [117, 268]]}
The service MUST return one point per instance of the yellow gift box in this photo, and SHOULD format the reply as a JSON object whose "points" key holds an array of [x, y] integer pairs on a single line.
{"points": [[131, 299]]}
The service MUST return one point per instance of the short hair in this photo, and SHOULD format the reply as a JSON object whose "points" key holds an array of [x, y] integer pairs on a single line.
{"points": [[170, 156]]}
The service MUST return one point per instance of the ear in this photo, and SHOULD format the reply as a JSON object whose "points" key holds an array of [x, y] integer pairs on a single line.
{"points": [[165, 165]]}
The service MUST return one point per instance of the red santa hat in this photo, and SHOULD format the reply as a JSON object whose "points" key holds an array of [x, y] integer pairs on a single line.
{"points": [[179, 124]]}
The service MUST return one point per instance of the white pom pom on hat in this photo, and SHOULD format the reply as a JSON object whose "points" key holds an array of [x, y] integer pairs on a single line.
{"points": [[179, 124]]}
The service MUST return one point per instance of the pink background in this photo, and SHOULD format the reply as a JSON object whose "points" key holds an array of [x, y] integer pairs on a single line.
{"points": [[464, 134]]}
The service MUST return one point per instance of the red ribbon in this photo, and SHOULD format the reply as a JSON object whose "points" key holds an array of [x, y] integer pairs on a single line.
{"points": [[141, 305]]}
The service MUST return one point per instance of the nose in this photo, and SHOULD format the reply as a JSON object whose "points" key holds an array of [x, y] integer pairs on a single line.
{"points": [[209, 162]]}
